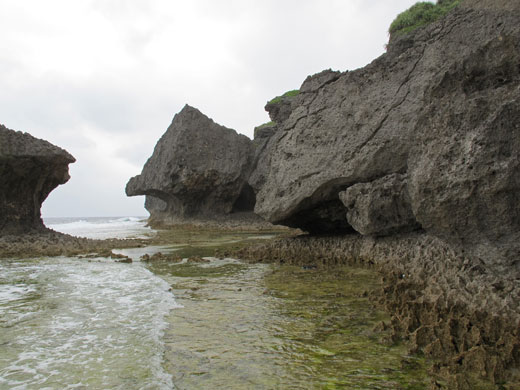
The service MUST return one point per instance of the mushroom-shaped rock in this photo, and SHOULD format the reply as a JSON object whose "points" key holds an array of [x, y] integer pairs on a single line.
{"points": [[30, 168], [198, 169]]}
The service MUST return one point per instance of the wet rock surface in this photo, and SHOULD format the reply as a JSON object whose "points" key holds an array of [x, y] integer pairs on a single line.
{"points": [[199, 169], [30, 168], [463, 315], [47, 242]]}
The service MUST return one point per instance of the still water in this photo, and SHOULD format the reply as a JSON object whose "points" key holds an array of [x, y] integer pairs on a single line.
{"points": [[69, 323]]}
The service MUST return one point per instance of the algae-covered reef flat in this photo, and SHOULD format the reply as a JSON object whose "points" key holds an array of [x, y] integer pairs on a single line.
{"points": [[463, 316], [253, 325]]}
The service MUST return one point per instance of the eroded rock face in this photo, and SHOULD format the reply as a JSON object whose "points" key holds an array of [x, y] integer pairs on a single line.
{"points": [[464, 166], [441, 107], [30, 168], [381, 207], [198, 169]]}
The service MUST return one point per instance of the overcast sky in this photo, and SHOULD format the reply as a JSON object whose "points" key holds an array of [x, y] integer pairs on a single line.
{"points": [[104, 78]]}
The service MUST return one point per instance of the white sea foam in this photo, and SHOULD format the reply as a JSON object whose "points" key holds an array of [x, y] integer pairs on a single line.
{"points": [[101, 228], [68, 323]]}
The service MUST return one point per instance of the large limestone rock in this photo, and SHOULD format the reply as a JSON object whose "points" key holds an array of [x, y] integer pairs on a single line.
{"points": [[30, 168], [198, 169], [381, 207], [464, 165], [441, 107]]}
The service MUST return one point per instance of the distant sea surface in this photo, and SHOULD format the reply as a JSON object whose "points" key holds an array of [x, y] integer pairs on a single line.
{"points": [[101, 227]]}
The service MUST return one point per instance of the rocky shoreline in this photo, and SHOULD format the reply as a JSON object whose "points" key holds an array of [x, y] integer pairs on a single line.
{"points": [[47, 242], [406, 165], [463, 315], [242, 221]]}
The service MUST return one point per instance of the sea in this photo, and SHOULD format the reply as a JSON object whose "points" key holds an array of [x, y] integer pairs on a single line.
{"points": [[211, 323], [101, 227], [67, 323]]}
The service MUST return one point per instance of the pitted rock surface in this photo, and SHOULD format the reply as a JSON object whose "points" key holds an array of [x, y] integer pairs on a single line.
{"points": [[30, 168]]}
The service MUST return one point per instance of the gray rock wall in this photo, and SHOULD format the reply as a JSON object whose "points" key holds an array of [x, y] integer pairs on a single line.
{"points": [[30, 168], [439, 108]]}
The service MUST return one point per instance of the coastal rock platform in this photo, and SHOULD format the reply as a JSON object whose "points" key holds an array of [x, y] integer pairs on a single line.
{"points": [[464, 316]]}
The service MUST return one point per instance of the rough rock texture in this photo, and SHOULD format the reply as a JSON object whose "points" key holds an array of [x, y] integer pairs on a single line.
{"points": [[47, 242], [463, 315], [157, 208], [198, 169], [441, 107], [30, 168], [381, 207]]}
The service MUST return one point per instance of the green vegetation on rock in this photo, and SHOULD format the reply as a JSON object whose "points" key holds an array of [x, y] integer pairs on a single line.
{"points": [[278, 99], [267, 124], [420, 14]]}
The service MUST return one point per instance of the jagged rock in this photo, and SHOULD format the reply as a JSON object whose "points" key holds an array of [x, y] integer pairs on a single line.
{"points": [[198, 169], [380, 207], [441, 106], [30, 168]]}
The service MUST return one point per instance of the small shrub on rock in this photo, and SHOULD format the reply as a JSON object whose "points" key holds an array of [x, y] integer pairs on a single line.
{"points": [[278, 99], [420, 14]]}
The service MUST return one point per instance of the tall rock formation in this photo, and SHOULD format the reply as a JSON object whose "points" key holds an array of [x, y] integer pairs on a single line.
{"points": [[427, 136], [30, 168], [198, 169]]}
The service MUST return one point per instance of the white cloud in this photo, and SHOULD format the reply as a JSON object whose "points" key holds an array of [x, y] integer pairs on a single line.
{"points": [[103, 78]]}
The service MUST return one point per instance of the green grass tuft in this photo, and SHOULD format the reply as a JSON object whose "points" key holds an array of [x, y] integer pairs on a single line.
{"points": [[420, 14], [278, 99], [267, 124]]}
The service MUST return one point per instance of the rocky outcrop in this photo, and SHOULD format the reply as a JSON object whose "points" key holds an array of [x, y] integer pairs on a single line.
{"points": [[198, 169], [30, 168], [381, 207], [440, 110]]}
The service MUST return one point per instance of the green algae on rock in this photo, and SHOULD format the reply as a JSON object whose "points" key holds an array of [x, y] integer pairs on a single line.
{"points": [[264, 326], [461, 315]]}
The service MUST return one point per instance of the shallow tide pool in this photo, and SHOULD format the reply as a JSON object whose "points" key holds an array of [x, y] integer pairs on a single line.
{"points": [[69, 323], [257, 326]]}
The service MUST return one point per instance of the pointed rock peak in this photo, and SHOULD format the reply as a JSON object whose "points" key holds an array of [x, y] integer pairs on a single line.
{"points": [[191, 117], [187, 109]]}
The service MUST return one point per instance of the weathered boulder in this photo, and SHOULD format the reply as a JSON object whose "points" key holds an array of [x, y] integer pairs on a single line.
{"points": [[441, 106], [30, 168], [198, 169], [381, 207]]}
